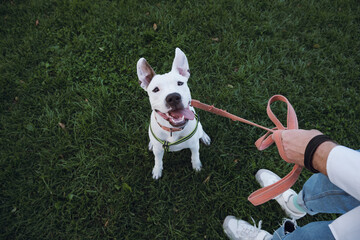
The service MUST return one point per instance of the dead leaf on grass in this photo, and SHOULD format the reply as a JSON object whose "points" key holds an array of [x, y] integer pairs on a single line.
{"points": [[62, 125]]}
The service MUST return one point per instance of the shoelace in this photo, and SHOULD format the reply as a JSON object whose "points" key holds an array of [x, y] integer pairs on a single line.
{"points": [[248, 231]]}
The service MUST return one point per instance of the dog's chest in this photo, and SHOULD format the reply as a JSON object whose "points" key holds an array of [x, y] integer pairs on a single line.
{"points": [[175, 139]]}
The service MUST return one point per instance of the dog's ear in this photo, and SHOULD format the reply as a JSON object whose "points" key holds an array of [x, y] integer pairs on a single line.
{"points": [[145, 73], [180, 64]]}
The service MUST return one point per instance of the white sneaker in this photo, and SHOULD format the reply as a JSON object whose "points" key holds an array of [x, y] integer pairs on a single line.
{"points": [[240, 230], [266, 178]]}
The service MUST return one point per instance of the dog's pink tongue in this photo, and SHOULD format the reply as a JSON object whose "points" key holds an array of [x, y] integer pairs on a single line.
{"points": [[186, 112]]}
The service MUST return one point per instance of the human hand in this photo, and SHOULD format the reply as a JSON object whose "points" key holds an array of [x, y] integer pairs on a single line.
{"points": [[295, 142]]}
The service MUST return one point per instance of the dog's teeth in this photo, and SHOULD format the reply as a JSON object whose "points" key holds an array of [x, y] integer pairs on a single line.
{"points": [[175, 120]]}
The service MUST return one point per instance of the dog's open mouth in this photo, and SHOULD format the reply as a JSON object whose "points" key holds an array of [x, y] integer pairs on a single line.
{"points": [[178, 117]]}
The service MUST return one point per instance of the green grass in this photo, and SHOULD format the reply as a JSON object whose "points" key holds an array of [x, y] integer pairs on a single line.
{"points": [[92, 179]]}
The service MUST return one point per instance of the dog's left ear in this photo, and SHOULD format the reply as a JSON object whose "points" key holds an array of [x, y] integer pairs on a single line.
{"points": [[180, 64]]}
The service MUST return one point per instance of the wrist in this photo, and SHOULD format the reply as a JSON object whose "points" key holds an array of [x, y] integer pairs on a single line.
{"points": [[321, 154]]}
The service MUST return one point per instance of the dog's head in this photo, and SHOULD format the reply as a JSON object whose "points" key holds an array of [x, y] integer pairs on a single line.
{"points": [[169, 93]]}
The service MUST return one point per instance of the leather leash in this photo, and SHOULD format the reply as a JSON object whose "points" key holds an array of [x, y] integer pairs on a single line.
{"points": [[265, 194]]}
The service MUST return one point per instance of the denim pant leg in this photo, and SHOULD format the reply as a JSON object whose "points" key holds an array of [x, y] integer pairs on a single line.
{"points": [[319, 195], [314, 230]]}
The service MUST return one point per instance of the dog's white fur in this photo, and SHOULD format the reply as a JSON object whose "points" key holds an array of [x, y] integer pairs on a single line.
{"points": [[167, 84]]}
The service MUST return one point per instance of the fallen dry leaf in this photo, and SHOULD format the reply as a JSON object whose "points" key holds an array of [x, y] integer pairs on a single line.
{"points": [[215, 39], [62, 125]]}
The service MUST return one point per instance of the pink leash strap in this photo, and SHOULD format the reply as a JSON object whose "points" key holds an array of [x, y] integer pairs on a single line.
{"points": [[265, 194]]}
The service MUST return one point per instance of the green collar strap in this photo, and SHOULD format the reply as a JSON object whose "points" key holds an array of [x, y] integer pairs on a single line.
{"points": [[166, 145]]}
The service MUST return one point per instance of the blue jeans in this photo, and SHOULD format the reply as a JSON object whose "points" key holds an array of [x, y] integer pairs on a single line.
{"points": [[319, 195]]}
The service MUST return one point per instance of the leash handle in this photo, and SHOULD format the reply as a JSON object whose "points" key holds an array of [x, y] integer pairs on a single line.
{"points": [[275, 136], [265, 194]]}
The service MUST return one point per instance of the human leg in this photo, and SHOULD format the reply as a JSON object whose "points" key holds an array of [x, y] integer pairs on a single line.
{"points": [[237, 229], [319, 195], [315, 230]]}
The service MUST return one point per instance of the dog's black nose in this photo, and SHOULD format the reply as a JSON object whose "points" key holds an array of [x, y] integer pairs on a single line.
{"points": [[173, 99]]}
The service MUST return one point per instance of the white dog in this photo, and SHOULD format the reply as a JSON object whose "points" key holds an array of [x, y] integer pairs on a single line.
{"points": [[173, 122]]}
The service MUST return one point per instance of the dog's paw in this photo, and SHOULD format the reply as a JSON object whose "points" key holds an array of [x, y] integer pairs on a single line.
{"points": [[156, 172], [197, 166], [206, 139]]}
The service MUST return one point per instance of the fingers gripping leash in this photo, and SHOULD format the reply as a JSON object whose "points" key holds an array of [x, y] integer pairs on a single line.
{"points": [[272, 135]]}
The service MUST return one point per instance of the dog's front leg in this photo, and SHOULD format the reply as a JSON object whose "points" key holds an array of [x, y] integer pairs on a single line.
{"points": [[157, 170], [195, 157]]}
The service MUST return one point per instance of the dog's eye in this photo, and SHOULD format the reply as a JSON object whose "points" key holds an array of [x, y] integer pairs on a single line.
{"points": [[156, 89], [180, 83]]}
